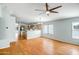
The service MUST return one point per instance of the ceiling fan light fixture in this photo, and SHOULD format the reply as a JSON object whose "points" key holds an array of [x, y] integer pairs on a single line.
{"points": [[47, 12]]}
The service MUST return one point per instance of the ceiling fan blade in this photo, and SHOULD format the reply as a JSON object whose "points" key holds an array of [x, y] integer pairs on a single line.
{"points": [[46, 7], [55, 8], [53, 11]]}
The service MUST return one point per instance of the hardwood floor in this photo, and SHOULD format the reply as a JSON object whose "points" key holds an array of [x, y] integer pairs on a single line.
{"points": [[40, 46]]}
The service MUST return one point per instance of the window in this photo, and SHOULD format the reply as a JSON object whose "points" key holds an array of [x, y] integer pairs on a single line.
{"points": [[75, 30], [48, 29], [45, 29]]}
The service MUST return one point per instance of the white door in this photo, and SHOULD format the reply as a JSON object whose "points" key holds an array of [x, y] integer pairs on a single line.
{"points": [[7, 28]]}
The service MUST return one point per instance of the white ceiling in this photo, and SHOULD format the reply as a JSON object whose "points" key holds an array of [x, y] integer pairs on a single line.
{"points": [[27, 13]]}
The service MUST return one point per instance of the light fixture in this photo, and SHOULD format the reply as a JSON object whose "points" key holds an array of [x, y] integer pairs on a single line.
{"points": [[47, 13]]}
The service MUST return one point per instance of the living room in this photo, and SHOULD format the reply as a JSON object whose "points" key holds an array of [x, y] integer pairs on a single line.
{"points": [[39, 28]]}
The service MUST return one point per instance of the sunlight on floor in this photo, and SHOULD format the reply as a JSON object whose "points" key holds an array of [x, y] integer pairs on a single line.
{"points": [[74, 51], [48, 47]]}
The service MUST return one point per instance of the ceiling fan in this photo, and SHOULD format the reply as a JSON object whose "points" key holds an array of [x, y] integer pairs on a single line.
{"points": [[48, 11]]}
